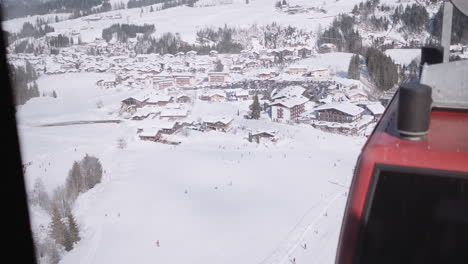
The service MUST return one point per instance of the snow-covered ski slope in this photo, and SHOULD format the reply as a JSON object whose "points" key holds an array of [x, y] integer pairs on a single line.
{"points": [[245, 203], [187, 20]]}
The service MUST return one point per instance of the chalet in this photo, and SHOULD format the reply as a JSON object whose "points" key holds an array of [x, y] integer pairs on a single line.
{"points": [[297, 69], [173, 114], [92, 18], [183, 99], [242, 95], [251, 64], [319, 73], [327, 48], [339, 112], [257, 135], [120, 59], [264, 75], [150, 134], [159, 100], [236, 69], [217, 77], [168, 56], [163, 83], [356, 95], [143, 113], [273, 53], [184, 80], [218, 124], [304, 52], [287, 52], [213, 96], [267, 61], [168, 127], [213, 53], [375, 109], [191, 54], [254, 55], [288, 109], [132, 103]]}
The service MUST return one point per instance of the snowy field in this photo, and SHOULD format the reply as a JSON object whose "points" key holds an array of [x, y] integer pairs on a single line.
{"points": [[404, 56], [245, 202], [187, 21]]}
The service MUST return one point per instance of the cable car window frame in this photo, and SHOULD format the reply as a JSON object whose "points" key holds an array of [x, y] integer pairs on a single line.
{"points": [[377, 172]]}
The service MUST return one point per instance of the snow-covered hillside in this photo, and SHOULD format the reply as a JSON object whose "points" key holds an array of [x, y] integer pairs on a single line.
{"points": [[187, 21], [214, 198]]}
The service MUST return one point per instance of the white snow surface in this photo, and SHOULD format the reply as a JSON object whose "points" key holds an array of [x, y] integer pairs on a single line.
{"points": [[403, 56], [245, 202]]}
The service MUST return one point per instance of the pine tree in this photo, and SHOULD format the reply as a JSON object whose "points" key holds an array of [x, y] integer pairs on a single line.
{"points": [[219, 67], [256, 108], [354, 68], [151, 9], [91, 169], [57, 227], [73, 229], [75, 182], [54, 94]]}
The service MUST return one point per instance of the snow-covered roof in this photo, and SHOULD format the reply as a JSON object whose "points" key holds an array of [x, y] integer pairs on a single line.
{"points": [[174, 113], [319, 69], [290, 102], [214, 119], [242, 93], [376, 108], [159, 98], [346, 108], [218, 73], [356, 92], [271, 132], [144, 111], [214, 92], [149, 132], [289, 91]]}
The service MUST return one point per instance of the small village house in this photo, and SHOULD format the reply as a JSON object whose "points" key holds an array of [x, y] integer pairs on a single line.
{"points": [[327, 48], [183, 99], [218, 77], [297, 69], [173, 114], [184, 80], [150, 134], [217, 124], [319, 73], [339, 112], [159, 100]]}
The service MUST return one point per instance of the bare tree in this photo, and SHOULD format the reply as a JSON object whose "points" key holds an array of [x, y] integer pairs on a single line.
{"points": [[121, 143], [92, 171], [39, 196], [60, 199]]}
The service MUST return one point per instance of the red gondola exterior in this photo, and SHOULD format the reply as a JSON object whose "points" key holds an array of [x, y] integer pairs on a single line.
{"points": [[444, 148]]}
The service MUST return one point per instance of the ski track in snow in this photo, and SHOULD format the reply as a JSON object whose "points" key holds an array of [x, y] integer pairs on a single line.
{"points": [[287, 247]]}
